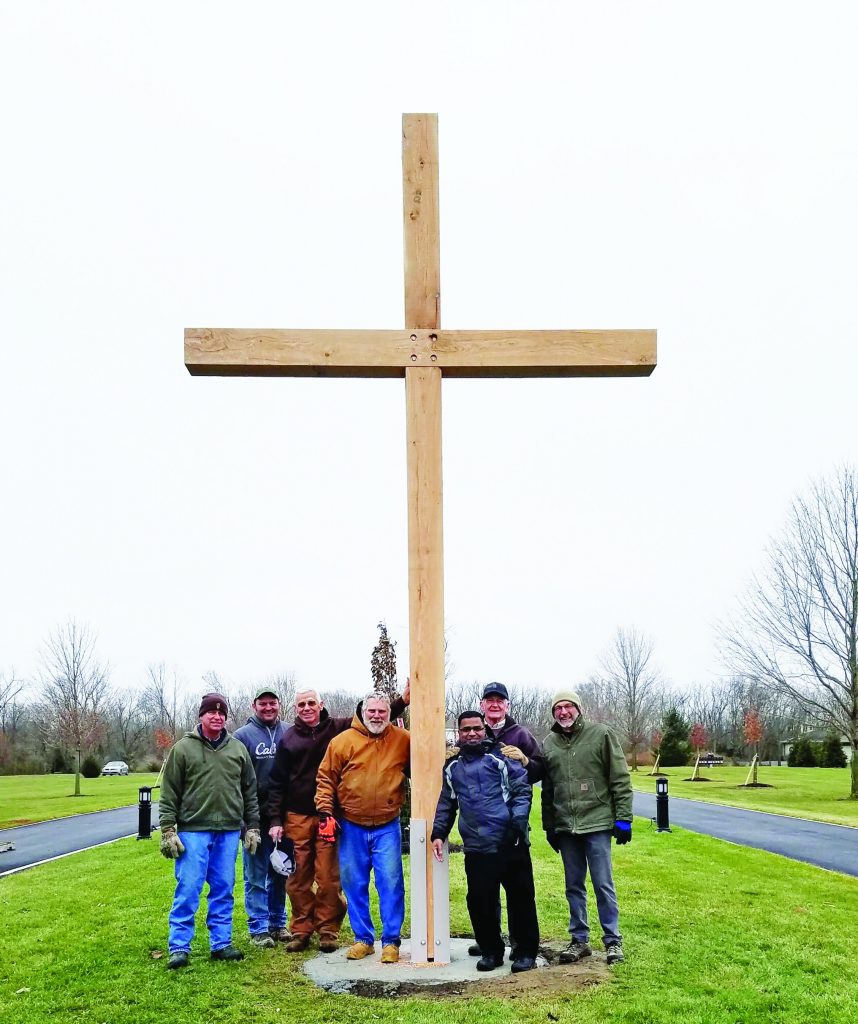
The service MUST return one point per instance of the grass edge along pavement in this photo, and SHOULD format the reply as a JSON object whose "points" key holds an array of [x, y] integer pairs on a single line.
{"points": [[714, 933], [818, 794], [27, 799]]}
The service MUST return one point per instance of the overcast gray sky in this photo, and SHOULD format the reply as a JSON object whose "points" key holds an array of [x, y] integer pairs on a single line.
{"points": [[687, 167]]}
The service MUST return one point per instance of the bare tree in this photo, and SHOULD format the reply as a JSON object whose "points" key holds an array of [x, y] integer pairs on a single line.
{"points": [[127, 724], [797, 629], [74, 690], [628, 669], [162, 699], [10, 687]]}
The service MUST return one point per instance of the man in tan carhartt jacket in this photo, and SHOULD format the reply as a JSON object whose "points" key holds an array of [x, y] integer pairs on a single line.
{"points": [[360, 789]]}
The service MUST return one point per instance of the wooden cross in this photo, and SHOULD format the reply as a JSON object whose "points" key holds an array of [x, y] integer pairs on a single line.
{"points": [[422, 352]]}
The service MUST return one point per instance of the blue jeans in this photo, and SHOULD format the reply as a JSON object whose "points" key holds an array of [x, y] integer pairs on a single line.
{"points": [[593, 851], [264, 890], [208, 857], [378, 849]]}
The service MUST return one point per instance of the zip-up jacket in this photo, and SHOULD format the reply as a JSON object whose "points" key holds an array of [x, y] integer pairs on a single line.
{"points": [[208, 788], [492, 797], [292, 784], [261, 741], [587, 786], [362, 775], [515, 735]]}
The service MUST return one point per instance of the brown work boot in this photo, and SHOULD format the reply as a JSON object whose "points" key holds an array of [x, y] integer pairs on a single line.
{"points": [[390, 954], [359, 950], [297, 944], [281, 935], [328, 943]]}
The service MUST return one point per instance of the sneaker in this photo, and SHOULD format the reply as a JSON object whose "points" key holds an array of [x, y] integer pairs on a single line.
{"points": [[229, 952], [263, 940], [178, 959], [489, 963], [523, 963], [359, 950], [614, 953], [281, 934], [574, 952], [390, 954], [297, 944], [328, 943], [474, 950]]}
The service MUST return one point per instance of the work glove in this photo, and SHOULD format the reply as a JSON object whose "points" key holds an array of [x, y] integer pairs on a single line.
{"points": [[450, 753], [553, 841], [171, 846], [327, 828], [514, 754], [252, 839], [622, 832], [513, 835]]}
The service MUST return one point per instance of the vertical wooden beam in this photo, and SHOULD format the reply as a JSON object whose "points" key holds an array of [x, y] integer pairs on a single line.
{"points": [[421, 220], [426, 615], [429, 937]]}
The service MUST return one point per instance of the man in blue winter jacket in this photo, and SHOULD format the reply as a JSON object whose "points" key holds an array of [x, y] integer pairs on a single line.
{"points": [[264, 889], [492, 796]]}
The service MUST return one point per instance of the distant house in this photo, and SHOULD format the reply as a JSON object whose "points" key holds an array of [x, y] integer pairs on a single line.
{"points": [[815, 736]]}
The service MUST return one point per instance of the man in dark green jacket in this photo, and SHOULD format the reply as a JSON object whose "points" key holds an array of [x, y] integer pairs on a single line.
{"points": [[207, 794], [586, 799]]}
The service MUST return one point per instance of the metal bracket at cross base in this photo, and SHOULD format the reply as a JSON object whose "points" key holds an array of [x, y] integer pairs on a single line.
{"points": [[421, 856]]}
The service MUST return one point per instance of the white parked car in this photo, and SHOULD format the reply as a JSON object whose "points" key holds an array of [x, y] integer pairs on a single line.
{"points": [[115, 768]]}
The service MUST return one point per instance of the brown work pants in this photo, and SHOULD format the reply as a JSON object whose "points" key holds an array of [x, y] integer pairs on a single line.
{"points": [[314, 888]]}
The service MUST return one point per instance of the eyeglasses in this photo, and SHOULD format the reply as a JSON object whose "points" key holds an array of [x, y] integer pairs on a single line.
{"points": [[472, 728], [307, 704]]}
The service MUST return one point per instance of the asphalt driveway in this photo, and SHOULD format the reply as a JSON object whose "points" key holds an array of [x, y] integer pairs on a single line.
{"points": [[827, 846], [47, 840]]}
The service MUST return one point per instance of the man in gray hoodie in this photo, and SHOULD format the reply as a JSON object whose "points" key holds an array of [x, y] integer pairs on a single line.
{"points": [[264, 889]]}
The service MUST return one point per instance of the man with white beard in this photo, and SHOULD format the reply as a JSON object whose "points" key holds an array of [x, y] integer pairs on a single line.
{"points": [[363, 776]]}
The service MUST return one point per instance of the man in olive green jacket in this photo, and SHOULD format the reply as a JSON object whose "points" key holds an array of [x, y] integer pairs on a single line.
{"points": [[207, 794], [586, 799]]}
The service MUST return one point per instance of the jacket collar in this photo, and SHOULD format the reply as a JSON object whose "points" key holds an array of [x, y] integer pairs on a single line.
{"points": [[309, 730]]}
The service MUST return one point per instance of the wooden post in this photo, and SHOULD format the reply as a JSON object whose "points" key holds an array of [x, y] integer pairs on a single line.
{"points": [[430, 930]]}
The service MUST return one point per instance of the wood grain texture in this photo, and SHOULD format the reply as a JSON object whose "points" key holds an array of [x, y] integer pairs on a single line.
{"points": [[368, 353], [425, 603], [421, 220]]}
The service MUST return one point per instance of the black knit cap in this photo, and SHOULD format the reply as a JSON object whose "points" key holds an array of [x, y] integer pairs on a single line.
{"points": [[213, 702]]}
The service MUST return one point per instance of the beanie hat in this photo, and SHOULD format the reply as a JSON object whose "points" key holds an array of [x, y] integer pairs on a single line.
{"points": [[562, 695], [213, 702]]}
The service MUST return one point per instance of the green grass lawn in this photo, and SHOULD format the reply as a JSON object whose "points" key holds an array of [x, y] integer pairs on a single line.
{"points": [[28, 798], [818, 793], [713, 933]]}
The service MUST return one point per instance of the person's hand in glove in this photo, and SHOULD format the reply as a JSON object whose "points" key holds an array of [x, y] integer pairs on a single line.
{"points": [[514, 834], [171, 846], [327, 828], [553, 841], [622, 832], [514, 754], [252, 839]]}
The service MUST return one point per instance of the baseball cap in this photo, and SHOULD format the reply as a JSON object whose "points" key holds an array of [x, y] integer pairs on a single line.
{"points": [[497, 688]]}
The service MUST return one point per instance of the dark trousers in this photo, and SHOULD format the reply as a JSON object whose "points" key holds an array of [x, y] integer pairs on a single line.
{"points": [[486, 873]]}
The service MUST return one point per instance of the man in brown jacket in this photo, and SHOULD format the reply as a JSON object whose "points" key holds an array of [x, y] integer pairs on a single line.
{"points": [[360, 790]]}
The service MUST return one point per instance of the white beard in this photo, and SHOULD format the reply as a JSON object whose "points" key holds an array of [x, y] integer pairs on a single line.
{"points": [[376, 728]]}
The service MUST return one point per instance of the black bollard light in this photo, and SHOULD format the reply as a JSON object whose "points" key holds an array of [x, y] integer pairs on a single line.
{"points": [[662, 815], [144, 813]]}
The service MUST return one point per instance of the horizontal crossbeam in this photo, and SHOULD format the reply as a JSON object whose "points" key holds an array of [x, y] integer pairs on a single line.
{"points": [[344, 353]]}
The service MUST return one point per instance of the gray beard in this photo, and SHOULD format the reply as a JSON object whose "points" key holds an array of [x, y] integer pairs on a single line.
{"points": [[377, 728]]}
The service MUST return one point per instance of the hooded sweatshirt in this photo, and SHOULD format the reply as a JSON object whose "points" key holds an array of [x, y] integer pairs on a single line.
{"points": [[261, 741]]}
